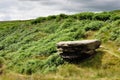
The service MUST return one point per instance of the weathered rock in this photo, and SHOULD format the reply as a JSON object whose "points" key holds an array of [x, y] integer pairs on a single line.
{"points": [[72, 50], [90, 44]]}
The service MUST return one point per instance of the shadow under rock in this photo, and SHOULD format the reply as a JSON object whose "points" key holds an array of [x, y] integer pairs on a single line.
{"points": [[93, 61]]}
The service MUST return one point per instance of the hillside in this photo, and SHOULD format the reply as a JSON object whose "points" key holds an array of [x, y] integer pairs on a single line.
{"points": [[28, 48]]}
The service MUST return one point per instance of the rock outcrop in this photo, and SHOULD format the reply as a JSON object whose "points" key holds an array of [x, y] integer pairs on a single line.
{"points": [[77, 50]]}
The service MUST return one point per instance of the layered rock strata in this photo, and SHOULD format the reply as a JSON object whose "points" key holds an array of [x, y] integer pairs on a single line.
{"points": [[77, 50]]}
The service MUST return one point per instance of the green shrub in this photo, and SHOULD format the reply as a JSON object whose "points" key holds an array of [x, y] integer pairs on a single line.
{"points": [[79, 34], [115, 34], [85, 15], [65, 25], [38, 20], [52, 63], [1, 47], [51, 17], [104, 33], [102, 16], [31, 66], [115, 17], [73, 17], [60, 17], [115, 30], [116, 23], [95, 25], [40, 66]]}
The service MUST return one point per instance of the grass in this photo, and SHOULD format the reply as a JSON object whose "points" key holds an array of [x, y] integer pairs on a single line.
{"points": [[102, 66], [28, 48]]}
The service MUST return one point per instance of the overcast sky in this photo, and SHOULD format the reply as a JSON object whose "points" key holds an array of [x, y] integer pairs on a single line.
{"points": [[29, 9]]}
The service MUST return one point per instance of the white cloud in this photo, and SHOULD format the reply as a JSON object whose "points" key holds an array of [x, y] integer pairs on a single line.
{"points": [[27, 9]]}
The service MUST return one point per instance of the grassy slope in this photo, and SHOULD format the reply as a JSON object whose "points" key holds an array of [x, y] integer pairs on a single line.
{"points": [[29, 47]]}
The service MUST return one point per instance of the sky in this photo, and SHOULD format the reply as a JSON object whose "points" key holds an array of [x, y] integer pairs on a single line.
{"points": [[30, 9]]}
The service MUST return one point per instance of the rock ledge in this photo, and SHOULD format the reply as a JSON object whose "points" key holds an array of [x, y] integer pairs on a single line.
{"points": [[77, 50]]}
